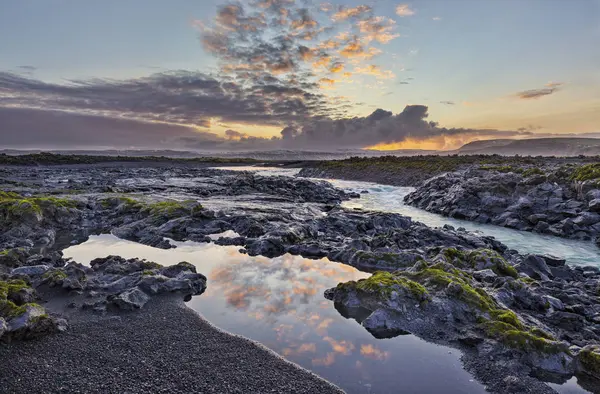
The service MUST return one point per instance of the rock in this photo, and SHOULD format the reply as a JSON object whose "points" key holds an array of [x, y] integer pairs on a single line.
{"points": [[555, 303], [535, 218], [594, 205], [587, 218], [535, 267], [3, 326], [131, 299], [588, 361], [33, 323], [553, 261], [32, 271], [486, 275]]}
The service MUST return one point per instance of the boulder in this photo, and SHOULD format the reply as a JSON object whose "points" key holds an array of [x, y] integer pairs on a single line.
{"points": [[535, 267], [588, 361], [594, 205], [31, 271], [131, 299]]}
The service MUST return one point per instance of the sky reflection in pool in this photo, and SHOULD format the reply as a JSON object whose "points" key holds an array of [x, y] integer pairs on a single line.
{"points": [[279, 303]]}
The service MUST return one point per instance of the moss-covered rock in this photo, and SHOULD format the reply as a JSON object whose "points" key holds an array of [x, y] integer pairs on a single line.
{"points": [[589, 360], [15, 208], [485, 258], [173, 209], [54, 277], [382, 284]]}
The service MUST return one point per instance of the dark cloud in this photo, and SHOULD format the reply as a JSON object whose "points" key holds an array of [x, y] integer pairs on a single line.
{"points": [[27, 127], [181, 97], [537, 93], [380, 127]]}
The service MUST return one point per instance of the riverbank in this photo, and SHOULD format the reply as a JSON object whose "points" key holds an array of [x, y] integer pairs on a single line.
{"points": [[164, 347]]}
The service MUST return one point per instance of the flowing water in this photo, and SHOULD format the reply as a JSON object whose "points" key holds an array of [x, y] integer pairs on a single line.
{"points": [[279, 302]]}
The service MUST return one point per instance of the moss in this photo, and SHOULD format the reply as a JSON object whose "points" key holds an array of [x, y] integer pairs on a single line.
{"points": [[438, 277], [13, 205], [586, 172], [527, 280], [541, 333], [8, 308], [507, 317], [384, 283], [513, 334], [127, 202], [590, 360], [148, 273], [499, 265], [173, 208], [54, 276], [187, 265], [151, 265], [527, 341], [533, 171], [454, 254]]}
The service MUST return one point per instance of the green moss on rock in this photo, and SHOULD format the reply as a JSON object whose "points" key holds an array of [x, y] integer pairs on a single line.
{"points": [[8, 309], [589, 358], [384, 283]]}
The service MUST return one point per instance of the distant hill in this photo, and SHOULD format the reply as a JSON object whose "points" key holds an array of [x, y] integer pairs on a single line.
{"points": [[534, 147]]}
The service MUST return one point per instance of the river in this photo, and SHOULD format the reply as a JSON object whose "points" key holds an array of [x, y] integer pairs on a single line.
{"points": [[279, 302]]}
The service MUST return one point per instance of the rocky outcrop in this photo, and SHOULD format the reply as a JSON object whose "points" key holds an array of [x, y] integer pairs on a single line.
{"points": [[528, 200], [507, 311], [20, 316], [111, 282]]}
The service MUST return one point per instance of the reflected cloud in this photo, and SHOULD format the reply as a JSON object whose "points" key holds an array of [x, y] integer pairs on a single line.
{"points": [[371, 352]]}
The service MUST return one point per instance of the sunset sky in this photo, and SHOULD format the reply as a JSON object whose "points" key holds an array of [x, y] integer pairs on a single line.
{"points": [[271, 74]]}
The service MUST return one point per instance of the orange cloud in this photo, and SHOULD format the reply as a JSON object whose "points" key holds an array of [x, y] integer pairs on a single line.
{"points": [[378, 29], [371, 352], [341, 347], [346, 13], [326, 361], [375, 71]]}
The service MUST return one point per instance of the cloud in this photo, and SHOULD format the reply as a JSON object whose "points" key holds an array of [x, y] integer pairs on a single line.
{"points": [[448, 102], [404, 10], [344, 13], [550, 88], [437, 18], [375, 71], [275, 61]]}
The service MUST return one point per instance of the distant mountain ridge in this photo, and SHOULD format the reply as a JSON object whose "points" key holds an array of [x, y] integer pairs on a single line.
{"points": [[533, 147]]}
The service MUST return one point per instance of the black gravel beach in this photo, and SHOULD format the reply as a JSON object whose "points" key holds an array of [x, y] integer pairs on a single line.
{"points": [[163, 348]]}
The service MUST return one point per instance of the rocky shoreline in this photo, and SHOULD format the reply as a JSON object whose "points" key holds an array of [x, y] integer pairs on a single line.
{"points": [[563, 201], [523, 314]]}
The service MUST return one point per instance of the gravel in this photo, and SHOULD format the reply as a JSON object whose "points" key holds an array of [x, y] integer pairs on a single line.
{"points": [[163, 348]]}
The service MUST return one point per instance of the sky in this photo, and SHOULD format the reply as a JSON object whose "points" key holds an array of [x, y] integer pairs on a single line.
{"points": [[296, 74]]}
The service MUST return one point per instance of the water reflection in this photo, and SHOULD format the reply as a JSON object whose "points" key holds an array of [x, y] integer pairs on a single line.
{"points": [[279, 302]]}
